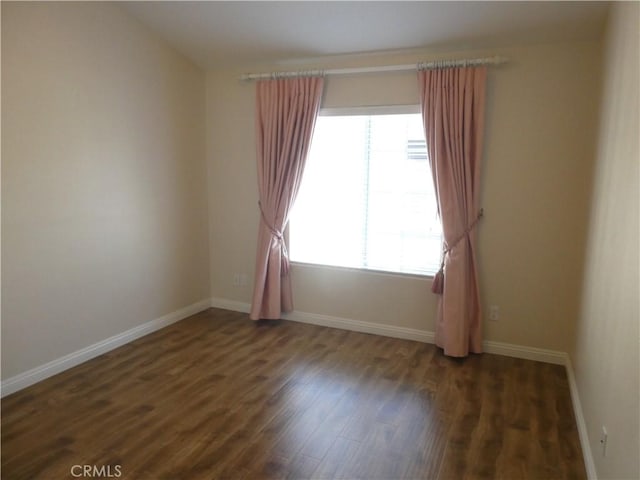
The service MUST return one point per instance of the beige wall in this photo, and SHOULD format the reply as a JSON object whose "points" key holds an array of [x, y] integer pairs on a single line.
{"points": [[104, 206], [541, 124], [605, 358]]}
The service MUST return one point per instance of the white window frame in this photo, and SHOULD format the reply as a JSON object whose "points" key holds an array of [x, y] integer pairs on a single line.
{"points": [[357, 111]]}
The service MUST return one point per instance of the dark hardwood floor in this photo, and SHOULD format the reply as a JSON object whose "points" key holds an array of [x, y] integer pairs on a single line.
{"points": [[219, 396]]}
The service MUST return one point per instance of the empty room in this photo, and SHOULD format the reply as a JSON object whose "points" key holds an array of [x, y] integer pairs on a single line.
{"points": [[320, 240]]}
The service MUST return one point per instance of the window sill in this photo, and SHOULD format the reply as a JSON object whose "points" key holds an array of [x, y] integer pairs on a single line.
{"points": [[417, 276]]}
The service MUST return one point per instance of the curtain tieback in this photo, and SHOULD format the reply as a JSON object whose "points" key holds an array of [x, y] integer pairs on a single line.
{"points": [[438, 281], [284, 257]]}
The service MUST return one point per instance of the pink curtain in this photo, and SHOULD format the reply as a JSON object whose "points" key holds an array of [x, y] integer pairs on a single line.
{"points": [[453, 101], [286, 111]]}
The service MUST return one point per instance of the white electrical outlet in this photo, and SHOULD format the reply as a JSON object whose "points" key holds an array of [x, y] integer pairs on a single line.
{"points": [[603, 441], [240, 280], [494, 313]]}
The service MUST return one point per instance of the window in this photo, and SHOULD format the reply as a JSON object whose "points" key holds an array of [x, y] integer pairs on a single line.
{"points": [[366, 198]]}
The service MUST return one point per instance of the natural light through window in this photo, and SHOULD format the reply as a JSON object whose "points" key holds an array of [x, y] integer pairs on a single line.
{"points": [[366, 198]]}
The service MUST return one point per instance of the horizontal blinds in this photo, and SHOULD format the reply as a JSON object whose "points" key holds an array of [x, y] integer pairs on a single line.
{"points": [[366, 199]]}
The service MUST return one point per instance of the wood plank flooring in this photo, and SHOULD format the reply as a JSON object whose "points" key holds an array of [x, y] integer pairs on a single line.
{"points": [[219, 396]]}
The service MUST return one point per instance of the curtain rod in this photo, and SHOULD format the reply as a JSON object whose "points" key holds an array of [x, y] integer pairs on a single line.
{"points": [[467, 62]]}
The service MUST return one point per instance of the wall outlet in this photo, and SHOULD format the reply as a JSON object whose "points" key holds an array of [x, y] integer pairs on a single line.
{"points": [[240, 280], [603, 441], [494, 313]]}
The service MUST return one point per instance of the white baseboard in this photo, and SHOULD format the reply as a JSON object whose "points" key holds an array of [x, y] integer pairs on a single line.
{"points": [[335, 322], [425, 336], [522, 351], [49, 369], [360, 326], [589, 463], [232, 305]]}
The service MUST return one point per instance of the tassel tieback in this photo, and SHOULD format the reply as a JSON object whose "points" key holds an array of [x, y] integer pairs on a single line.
{"points": [[437, 286], [277, 234]]}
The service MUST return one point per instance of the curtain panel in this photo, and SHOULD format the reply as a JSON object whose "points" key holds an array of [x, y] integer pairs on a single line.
{"points": [[286, 112], [453, 103]]}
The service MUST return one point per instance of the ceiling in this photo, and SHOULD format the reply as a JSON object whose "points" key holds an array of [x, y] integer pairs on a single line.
{"points": [[222, 34]]}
